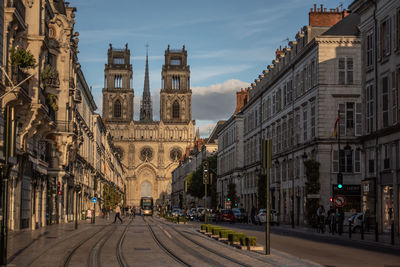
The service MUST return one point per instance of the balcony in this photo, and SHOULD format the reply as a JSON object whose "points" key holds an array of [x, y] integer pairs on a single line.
{"points": [[17, 76], [19, 7]]}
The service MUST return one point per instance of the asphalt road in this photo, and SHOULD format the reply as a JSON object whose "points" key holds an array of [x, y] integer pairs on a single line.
{"points": [[323, 250]]}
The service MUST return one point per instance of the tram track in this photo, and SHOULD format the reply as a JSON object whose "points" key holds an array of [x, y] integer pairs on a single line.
{"points": [[205, 247], [164, 247], [120, 256]]}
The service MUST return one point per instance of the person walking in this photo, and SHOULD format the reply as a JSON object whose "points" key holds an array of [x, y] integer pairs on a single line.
{"points": [[253, 214], [321, 218], [117, 214]]}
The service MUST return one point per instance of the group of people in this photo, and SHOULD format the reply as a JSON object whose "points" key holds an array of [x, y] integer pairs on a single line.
{"points": [[129, 211], [334, 218]]}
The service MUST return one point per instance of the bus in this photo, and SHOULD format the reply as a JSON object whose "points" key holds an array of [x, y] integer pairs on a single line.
{"points": [[146, 206]]}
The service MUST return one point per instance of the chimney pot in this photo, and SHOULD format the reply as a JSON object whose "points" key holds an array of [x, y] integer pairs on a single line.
{"points": [[315, 7], [322, 7]]}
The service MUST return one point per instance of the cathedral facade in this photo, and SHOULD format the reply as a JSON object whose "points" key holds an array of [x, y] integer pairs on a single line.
{"points": [[150, 150]]}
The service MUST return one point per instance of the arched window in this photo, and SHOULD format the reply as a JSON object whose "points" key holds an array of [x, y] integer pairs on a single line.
{"points": [[117, 109], [175, 110]]}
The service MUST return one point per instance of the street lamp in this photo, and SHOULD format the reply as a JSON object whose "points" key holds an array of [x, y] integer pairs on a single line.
{"points": [[77, 188]]}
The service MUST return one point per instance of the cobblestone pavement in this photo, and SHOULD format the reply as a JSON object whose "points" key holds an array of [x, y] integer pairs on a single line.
{"points": [[148, 241], [324, 248]]}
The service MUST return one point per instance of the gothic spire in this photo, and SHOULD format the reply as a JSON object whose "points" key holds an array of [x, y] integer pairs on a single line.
{"points": [[146, 110]]}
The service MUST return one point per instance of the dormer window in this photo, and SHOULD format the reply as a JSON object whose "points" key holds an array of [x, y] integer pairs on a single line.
{"points": [[176, 61]]}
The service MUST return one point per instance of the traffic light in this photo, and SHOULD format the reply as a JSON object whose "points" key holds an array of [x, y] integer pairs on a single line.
{"points": [[340, 180], [331, 199], [228, 199], [59, 192]]}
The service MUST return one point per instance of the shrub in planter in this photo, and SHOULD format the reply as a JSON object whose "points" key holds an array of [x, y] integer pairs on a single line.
{"points": [[22, 58], [235, 237], [251, 241], [225, 233], [215, 230], [203, 227], [209, 228]]}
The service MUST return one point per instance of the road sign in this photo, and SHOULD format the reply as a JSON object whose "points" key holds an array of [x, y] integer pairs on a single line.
{"points": [[94, 199], [340, 201]]}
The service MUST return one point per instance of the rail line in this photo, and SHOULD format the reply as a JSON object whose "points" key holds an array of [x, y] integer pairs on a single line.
{"points": [[163, 247], [120, 256], [94, 256], [206, 248], [71, 253]]}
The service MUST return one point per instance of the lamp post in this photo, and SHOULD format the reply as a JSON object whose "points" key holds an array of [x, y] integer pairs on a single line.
{"points": [[77, 188]]}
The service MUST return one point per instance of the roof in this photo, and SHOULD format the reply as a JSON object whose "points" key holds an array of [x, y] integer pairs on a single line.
{"points": [[214, 134], [346, 27]]}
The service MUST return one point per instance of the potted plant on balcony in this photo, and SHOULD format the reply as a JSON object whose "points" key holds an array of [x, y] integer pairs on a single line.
{"points": [[20, 60], [49, 77]]}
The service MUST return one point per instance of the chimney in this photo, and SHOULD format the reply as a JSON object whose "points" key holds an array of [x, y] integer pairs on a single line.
{"points": [[279, 52], [322, 17], [242, 98]]}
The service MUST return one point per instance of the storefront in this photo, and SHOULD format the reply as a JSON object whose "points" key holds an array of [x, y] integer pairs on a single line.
{"points": [[387, 208]]}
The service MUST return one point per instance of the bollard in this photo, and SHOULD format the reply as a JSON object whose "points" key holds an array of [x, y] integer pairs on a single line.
{"points": [[350, 229], [362, 231]]}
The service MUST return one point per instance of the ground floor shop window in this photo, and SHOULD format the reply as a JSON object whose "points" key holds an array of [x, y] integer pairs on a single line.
{"points": [[387, 207]]}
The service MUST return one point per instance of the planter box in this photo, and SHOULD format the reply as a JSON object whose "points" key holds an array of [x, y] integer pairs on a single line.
{"points": [[181, 223], [215, 236], [203, 231], [208, 233], [255, 248], [222, 239]]}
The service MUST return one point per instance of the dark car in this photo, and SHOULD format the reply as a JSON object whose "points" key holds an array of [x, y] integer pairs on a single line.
{"points": [[239, 215], [227, 216]]}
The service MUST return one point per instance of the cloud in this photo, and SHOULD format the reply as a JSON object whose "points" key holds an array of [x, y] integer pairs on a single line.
{"points": [[204, 73], [205, 128], [216, 102]]}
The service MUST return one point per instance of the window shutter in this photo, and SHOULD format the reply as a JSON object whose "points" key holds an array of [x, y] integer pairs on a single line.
{"points": [[358, 117], [357, 161], [335, 161], [342, 119], [342, 71]]}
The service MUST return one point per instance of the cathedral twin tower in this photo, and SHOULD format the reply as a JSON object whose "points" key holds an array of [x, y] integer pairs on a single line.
{"points": [[148, 149]]}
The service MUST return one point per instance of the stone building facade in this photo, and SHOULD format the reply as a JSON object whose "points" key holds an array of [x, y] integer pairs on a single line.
{"points": [[149, 150], [380, 35], [48, 113], [295, 102]]}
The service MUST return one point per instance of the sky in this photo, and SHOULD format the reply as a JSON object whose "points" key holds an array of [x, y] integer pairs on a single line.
{"points": [[229, 44]]}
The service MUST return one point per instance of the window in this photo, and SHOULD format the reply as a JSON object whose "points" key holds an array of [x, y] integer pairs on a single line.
{"points": [[284, 135], [117, 109], [385, 37], [385, 100], [357, 161], [386, 157], [175, 61], [313, 74], [303, 80], [290, 91], [285, 96], [394, 98], [350, 123], [176, 82], [305, 123], [309, 77], [370, 49], [312, 120], [118, 60], [358, 115], [398, 28], [273, 103], [298, 87], [278, 100], [370, 107], [346, 161], [371, 161], [175, 110], [118, 81], [346, 70], [278, 133]]}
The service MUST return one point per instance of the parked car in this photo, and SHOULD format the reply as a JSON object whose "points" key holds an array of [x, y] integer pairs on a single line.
{"points": [[190, 215], [239, 215], [199, 212], [261, 217], [227, 216], [356, 222], [176, 212]]}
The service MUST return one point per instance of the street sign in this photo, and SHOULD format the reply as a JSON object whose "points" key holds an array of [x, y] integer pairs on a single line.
{"points": [[340, 201], [94, 199]]}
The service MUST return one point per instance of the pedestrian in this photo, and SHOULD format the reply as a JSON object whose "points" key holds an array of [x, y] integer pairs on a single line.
{"points": [[253, 215], [117, 214], [331, 220], [321, 218], [133, 212]]}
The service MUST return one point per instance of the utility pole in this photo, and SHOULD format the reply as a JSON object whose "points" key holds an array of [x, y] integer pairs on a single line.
{"points": [[266, 164], [205, 182]]}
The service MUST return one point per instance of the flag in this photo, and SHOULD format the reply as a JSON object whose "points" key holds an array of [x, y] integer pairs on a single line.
{"points": [[335, 129]]}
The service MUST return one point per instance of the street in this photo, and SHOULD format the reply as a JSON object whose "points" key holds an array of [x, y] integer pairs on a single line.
{"points": [[142, 241]]}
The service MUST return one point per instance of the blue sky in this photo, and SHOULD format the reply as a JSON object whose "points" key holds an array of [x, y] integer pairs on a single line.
{"points": [[229, 44]]}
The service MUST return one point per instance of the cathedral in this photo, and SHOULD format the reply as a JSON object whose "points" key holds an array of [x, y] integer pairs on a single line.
{"points": [[150, 150]]}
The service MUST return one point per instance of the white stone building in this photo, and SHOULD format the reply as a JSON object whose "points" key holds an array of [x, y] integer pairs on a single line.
{"points": [[295, 103], [380, 35]]}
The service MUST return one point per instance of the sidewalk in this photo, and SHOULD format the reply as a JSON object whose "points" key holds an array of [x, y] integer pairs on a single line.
{"points": [[384, 240], [19, 241]]}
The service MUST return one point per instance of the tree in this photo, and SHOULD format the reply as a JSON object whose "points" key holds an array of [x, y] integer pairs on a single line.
{"points": [[312, 187]]}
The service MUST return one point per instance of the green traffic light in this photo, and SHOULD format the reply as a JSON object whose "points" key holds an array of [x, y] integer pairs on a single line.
{"points": [[340, 186]]}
